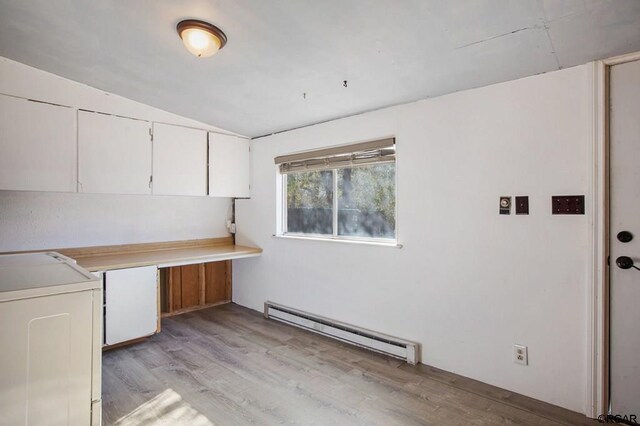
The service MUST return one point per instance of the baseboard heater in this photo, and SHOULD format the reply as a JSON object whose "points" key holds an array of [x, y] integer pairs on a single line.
{"points": [[378, 342]]}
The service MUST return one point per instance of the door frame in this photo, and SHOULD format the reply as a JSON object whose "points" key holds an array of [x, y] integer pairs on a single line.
{"points": [[597, 398]]}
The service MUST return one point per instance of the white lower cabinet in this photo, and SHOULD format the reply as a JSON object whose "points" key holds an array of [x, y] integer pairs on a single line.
{"points": [[131, 303]]}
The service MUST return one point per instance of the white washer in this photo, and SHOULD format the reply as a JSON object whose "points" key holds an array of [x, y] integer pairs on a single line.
{"points": [[51, 340]]}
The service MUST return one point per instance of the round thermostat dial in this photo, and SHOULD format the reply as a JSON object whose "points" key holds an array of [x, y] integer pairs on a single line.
{"points": [[504, 203]]}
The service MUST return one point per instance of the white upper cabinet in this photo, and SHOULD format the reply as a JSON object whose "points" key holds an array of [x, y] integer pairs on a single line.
{"points": [[114, 154], [45, 147], [229, 165], [37, 146], [179, 160]]}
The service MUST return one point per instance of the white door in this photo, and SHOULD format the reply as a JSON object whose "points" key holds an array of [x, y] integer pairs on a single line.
{"points": [[37, 146], [179, 160], [229, 165], [625, 216], [114, 154], [131, 303]]}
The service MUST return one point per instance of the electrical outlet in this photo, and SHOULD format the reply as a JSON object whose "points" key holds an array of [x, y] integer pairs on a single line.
{"points": [[520, 354], [232, 228]]}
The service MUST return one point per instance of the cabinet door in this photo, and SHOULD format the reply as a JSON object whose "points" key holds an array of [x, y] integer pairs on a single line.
{"points": [[114, 154], [228, 166], [179, 160], [131, 303], [37, 146]]}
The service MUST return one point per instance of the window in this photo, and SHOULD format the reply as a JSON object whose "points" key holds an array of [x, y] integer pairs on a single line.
{"points": [[346, 192]]}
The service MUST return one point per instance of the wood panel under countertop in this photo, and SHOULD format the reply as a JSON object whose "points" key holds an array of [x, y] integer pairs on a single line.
{"points": [[190, 287], [217, 282]]}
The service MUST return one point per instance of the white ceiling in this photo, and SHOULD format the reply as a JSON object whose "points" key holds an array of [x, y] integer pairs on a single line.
{"points": [[389, 51]]}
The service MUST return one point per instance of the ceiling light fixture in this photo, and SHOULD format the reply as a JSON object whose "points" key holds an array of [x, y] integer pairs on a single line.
{"points": [[201, 38]]}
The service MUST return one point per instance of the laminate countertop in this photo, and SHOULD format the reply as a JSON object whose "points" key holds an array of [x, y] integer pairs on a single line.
{"points": [[163, 254], [165, 258]]}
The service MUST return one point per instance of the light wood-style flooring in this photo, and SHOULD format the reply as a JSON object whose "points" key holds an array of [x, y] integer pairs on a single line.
{"points": [[227, 365]]}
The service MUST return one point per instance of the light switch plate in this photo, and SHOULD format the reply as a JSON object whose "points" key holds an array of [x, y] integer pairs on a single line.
{"points": [[505, 205]]}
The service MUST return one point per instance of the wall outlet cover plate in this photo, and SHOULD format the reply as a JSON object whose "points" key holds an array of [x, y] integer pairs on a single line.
{"points": [[522, 205], [520, 354]]}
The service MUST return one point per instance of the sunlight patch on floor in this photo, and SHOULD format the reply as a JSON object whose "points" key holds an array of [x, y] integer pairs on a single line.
{"points": [[168, 408]]}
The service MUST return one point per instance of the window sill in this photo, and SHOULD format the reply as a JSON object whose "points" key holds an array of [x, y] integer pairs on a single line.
{"points": [[392, 244]]}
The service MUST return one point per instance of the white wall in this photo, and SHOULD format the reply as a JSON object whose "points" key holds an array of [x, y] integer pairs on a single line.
{"points": [[41, 220], [38, 220], [468, 283]]}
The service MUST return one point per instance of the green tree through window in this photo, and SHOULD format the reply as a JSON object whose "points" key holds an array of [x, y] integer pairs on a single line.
{"points": [[366, 201], [310, 202]]}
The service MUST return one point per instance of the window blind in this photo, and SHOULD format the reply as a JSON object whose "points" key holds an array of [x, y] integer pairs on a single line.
{"points": [[378, 151]]}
